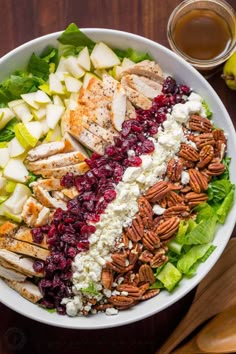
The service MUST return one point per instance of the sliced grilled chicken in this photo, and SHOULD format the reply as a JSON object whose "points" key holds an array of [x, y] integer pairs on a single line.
{"points": [[59, 196], [24, 234], [146, 68], [25, 248], [130, 110], [144, 85], [45, 150], [43, 196], [118, 107], [135, 97], [110, 85], [8, 228], [70, 192], [59, 160], [34, 214], [18, 263], [11, 274], [71, 144], [50, 184], [26, 289], [59, 172]]}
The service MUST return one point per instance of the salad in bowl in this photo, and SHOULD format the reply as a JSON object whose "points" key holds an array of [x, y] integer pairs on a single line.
{"points": [[116, 188]]}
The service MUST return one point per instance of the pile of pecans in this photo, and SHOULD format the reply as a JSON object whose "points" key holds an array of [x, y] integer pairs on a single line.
{"points": [[143, 246]]}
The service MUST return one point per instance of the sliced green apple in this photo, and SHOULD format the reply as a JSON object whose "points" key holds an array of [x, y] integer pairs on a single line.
{"points": [[6, 115], [13, 217], [72, 84], [84, 59], [53, 114], [103, 57], [61, 69], [42, 97], [29, 133], [4, 157], [22, 141], [14, 103], [16, 201], [45, 126], [22, 111], [10, 186], [40, 113], [30, 99], [45, 88], [54, 135], [57, 100], [127, 63], [15, 148], [15, 170], [55, 85], [73, 68], [3, 182]]}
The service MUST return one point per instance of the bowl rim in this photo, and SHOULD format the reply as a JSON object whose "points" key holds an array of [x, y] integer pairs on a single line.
{"points": [[173, 298]]}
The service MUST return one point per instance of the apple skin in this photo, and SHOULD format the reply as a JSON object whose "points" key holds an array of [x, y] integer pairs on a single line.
{"points": [[229, 72]]}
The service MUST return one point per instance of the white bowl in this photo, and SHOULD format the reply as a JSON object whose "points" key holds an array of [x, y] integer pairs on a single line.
{"points": [[183, 73]]}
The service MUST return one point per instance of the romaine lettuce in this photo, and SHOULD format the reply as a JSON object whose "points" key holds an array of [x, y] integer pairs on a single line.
{"points": [[169, 276]]}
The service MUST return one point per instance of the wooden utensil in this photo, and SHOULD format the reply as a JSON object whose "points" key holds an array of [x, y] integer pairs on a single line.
{"points": [[213, 295], [218, 336]]}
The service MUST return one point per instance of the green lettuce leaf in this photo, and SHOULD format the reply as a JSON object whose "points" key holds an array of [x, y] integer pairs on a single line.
{"points": [[169, 276], [91, 290], [8, 133], [132, 54], [226, 162], [218, 189], [204, 211], [202, 233], [188, 260], [185, 227], [38, 67], [224, 209], [73, 36], [207, 109]]}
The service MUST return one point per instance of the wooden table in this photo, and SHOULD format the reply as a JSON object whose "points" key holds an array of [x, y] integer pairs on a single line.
{"points": [[23, 20]]}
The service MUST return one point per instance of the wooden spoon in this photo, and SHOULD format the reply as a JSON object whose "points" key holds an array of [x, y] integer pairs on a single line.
{"points": [[218, 336], [213, 295]]}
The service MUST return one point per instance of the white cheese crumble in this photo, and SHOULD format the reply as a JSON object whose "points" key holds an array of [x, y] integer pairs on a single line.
{"points": [[87, 266], [158, 210]]}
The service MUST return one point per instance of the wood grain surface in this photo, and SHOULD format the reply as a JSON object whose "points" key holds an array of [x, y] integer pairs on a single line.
{"points": [[21, 21]]}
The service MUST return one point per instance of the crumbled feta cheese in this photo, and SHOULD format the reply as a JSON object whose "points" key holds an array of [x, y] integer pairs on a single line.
{"points": [[111, 311], [185, 177], [157, 209]]}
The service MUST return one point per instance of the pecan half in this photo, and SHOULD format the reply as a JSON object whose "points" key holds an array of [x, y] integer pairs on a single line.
{"points": [[119, 259], [159, 258], [135, 231], [200, 124], [218, 134], [119, 300], [181, 211], [220, 148], [133, 291], [134, 254], [146, 274], [145, 210], [145, 256], [149, 294], [107, 278], [173, 199], [188, 153], [215, 169], [204, 139], [167, 228], [194, 199], [174, 170], [150, 240], [187, 163], [158, 191], [205, 156], [198, 182]]}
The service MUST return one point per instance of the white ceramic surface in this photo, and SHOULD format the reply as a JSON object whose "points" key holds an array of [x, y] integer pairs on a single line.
{"points": [[183, 73]]}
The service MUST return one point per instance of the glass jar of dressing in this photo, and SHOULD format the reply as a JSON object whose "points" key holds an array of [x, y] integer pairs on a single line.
{"points": [[203, 32]]}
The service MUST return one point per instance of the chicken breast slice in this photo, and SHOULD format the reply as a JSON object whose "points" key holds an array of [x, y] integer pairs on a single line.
{"points": [[71, 144], [135, 97], [59, 160], [34, 214], [24, 248], [130, 110], [144, 85], [24, 234], [146, 68], [11, 274], [45, 150], [59, 172], [50, 184], [19, 263], [118, 107], [70, 192], [8, 228], [46, 199], [26, 289]]}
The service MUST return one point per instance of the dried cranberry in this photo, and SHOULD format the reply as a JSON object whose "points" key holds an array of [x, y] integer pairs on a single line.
{"points": [[37, 235], [38, 266], [67, 180], [109, 195]]}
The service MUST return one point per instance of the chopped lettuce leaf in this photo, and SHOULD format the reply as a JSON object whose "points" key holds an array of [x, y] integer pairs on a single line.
{"points": [[218, 189], [74, 37], [175, 246], [226, 162], [38, 67], [31, 178], [157, 285], [91, 290], [188, 260], [8, 133], [204, 211], [132, 54], [202, 233], [185, 226], [207, 109], [169, 276], [223, 210], [50, 55]]}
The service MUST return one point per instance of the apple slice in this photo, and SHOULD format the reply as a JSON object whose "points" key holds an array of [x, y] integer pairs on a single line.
{"points": [[6, 115], [84, 59], [29, 133], [14, 103], [57, 100], [4, 157], [72, 84], [15, 148], [61, 69], [42, 97], [127, 63], [87, 78], [55, 85], [18, 198], [73, 67], [103, 57], [40, 113], [54, 135], [16, 170], [23, 112], [30, 99], [45, 127], [53, 114]]}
